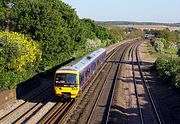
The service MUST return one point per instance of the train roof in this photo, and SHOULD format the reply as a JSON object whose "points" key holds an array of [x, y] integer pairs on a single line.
{"points": [[82, 63]]}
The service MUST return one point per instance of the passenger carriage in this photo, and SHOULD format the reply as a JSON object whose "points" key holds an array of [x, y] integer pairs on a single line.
{"points": [[72, 78]]}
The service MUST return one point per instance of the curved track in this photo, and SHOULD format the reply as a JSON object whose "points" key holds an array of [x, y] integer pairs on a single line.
{"points": [[108, 88], [143, 119], [95, 102], [153, 104], [132, 50], [106, 114]]}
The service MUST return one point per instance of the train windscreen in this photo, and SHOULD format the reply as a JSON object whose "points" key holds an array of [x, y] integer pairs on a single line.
{"points": [[66, 80]]}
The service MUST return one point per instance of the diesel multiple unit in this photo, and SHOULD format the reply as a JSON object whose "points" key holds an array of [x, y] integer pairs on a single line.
{"points": [[69, 80]]}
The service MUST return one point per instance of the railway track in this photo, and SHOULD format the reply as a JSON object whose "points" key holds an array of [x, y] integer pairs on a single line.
{"points": [[135, 86], [132, 53], [107, 109], [113, 62], [27, 115], [154, 106], [110, 98], [85, 100], [37, 96], [143, 119], [31, 111], [56, 113], [106, 113], [118, 71]]}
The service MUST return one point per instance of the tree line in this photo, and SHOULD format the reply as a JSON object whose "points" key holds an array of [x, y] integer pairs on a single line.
{"points": [[36, 35], [137, 23]]}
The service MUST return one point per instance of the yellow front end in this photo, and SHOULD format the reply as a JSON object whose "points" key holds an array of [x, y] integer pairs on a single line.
{"points": [[66, 91], [61, 91]]}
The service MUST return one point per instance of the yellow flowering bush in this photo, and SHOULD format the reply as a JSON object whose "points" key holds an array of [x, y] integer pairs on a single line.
{"points": [[19, 57]]}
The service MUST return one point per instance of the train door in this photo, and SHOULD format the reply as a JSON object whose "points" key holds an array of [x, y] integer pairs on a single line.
{"points": [[93, 67], [81, 80]]}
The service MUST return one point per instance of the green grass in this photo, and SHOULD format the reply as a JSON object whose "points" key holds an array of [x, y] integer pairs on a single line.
{"points": [[170, 52], [152, 51]]}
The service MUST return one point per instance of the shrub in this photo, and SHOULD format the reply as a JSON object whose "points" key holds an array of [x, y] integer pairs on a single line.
{"points": [[19, 58], [158, 45], [168, 70], [177, 81]]}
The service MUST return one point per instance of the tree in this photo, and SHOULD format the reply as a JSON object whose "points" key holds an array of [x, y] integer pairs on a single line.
{"points": [[168, 35], [54, 25], [159, 44], [50, 23], [136, 33], [172, 37]]}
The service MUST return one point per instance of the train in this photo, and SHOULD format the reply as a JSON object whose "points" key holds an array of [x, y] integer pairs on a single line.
{"points": [[72, 78]]}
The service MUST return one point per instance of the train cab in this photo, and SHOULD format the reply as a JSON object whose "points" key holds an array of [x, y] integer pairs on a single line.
{"points": [[70, 79], [66, 83]]}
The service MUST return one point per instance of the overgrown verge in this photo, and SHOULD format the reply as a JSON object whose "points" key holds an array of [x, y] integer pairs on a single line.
{"points": [[166, 44], [169, 70]]}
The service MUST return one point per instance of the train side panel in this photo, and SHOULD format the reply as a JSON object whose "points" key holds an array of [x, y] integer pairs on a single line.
{"points": [[89, 71]]}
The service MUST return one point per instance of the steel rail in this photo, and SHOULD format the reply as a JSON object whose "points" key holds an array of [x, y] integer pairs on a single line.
{"points": [[135, 87], [101, 91], [56, 113], [114, 81], [147, 90], [109, 55], [110, 97], [27, 114], [23, 104]]}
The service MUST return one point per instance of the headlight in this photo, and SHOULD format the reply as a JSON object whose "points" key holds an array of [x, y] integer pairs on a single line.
{"points": [[74, 88]]}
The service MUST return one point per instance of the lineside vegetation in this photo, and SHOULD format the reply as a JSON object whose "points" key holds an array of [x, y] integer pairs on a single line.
{"points": [[167, 45], [36, 35], [45, 33]]}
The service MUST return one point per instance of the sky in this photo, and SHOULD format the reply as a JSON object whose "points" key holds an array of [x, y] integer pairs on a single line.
{"points": [[166, 11]]}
